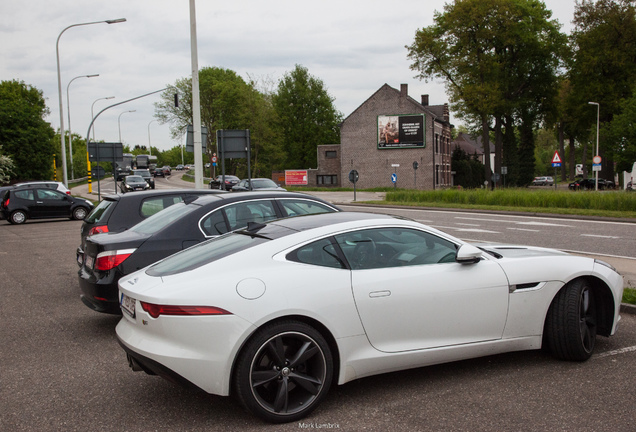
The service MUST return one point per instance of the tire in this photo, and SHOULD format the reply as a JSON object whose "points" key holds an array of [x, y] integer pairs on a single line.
{"points": [[80, 213], [283, 372], [18, 217], [571, 322]]}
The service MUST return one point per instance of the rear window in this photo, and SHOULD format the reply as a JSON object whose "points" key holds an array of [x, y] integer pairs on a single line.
{"points": [[101, 212], [162, 219], [154, 205], [204, 253]]}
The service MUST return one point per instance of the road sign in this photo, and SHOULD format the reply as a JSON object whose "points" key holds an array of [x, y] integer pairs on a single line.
{"points": [[596, 160], [596, 167], [353, 176], [394, 178], [556, 159]]}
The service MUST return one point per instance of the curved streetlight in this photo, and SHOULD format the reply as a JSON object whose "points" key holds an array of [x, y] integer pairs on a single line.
{"points": [[68, 110], [59, 88], [108, 97], [598, 117], [150, 145], [119, 122]]}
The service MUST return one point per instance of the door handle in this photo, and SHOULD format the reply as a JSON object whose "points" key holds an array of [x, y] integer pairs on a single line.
{"points": [[374, 294]]}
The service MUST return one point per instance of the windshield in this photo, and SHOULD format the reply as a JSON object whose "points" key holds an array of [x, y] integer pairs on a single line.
{"points": [[134, 179], [162, 219], [204, 253]]}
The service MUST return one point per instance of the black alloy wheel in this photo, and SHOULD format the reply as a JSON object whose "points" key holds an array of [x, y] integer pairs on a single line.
{"points": [[571, 322], [284, 372]]}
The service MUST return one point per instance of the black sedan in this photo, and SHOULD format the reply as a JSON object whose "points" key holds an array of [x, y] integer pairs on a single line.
{"points": [[224, 182], [117, 213], [133, 183], [107, 257], [24, 202], [590, 184]]}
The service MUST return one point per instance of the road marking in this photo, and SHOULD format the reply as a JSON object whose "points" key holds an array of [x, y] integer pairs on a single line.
{"points": [[618, 351], [524, 229], [543, 224], [599, 236], [476, 230]]}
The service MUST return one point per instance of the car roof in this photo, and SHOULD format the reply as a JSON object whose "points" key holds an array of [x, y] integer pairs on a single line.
{"points": [[245, 196], [161, 192]]}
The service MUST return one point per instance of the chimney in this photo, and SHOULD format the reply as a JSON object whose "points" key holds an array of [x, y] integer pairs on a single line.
{"points": [[404, 91], [425, 100]]}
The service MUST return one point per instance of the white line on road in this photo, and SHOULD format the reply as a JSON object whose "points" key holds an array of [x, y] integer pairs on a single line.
{"points": [[618, 351], [599, 236], [524, 229]]}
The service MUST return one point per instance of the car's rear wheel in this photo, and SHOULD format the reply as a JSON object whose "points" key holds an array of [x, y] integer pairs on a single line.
{"points": [[18, 217], [80, 213], [571, 322], [283, 372]]}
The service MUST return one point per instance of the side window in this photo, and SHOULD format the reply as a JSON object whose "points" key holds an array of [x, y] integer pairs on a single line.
{"points": [[48, 194], [238, 215], [213, 224], [154, 205], [321, 253], [302, 207], [394, 247], [25, 194]]}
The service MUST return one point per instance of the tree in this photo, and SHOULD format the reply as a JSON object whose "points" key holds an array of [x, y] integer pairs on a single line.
{"points": [[6, 168], [603, 70], [307, 117], [24, 135], [622, 132], [469, 172], [499, 59], [227, 102]]}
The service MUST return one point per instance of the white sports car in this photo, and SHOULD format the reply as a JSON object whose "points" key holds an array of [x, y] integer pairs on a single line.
{"points": [[276, 313]]}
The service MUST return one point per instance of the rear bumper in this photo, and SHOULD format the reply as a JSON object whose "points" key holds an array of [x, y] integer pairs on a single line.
{"points": [[100, 295]]}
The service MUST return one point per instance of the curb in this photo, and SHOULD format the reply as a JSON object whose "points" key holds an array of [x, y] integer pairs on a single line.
{"points": [[628, 308]]}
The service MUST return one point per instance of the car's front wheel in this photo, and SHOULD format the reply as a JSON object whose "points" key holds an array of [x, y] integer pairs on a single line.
{"points": [[80, 213], [571, 322], [283, 372], [18, 217]]}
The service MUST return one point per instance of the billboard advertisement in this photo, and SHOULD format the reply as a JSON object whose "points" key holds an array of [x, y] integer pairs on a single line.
{"points": [[401, 131], [296, 177]]}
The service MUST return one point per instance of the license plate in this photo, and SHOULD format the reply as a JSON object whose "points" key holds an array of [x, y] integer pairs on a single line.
{"points": [[127, 305], [90, 260]]}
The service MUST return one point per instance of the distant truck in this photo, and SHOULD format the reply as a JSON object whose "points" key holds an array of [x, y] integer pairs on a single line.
{"points": [[629, 178], [148, 162]]}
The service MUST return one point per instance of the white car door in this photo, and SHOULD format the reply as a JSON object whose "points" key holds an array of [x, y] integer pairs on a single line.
{"points": [[411, 294]]}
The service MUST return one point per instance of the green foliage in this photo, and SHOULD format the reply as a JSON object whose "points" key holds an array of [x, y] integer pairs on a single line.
{"points": [[24, 135], [307, 117], [469, 172], [6, 168], [536, 200], [622, 132]]}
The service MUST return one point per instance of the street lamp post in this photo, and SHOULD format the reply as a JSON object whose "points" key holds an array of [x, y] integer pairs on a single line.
{"points": [[598, 118], [68, 110], [119, 122], [93, 105], [59, 88]]}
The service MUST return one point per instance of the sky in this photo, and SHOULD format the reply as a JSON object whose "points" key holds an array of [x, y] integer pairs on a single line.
{"points": [[354, 47]]}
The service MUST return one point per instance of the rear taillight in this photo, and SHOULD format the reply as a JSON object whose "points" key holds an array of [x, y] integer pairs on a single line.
{"points": [[109, 260], [98, 230], [6, 203], [68, 192], [155, 310]]}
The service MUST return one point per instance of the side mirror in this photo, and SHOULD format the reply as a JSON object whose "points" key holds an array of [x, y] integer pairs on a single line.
{"points": [[468, 254]]}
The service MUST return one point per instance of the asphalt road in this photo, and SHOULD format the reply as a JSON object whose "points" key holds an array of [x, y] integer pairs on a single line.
{"points": [[61, 369]]}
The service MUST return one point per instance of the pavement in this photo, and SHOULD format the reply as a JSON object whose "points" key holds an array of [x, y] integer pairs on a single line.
{"points": [[625, 266]]}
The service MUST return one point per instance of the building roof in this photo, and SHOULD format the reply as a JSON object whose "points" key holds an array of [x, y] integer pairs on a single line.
{"points": [[471, 145]]}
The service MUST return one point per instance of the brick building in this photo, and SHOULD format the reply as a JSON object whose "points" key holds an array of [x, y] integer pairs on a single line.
{"points": [[388, 133]]}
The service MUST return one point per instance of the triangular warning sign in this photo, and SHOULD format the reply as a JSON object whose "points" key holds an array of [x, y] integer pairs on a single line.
{"points": [[556, 158]]}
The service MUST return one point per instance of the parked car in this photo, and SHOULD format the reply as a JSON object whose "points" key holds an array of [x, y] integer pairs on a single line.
{"points": [[108, 257], [261, 184], [291, 306], [117, 213], [133, 183], [590, 184], [40, 202], [224, 184], [543, 181], [146, 175], [48, 184]]}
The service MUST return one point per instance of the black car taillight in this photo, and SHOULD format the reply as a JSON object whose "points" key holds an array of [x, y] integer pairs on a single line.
{"points": [[98, 230], [109, 260], [5, 204]]}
